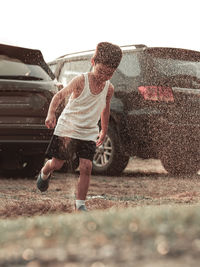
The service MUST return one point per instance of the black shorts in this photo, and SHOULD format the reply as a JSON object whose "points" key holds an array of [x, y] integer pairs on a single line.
{"points": [[57, 148]]}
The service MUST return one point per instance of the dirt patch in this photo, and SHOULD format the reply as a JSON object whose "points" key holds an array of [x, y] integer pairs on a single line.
{"points": [[144, 182]]}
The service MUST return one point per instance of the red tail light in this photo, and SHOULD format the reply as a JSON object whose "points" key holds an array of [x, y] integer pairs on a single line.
{"points": [[156, 93]]}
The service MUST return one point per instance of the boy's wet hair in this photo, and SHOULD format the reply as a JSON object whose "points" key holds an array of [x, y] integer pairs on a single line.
{"points": [[108, 54]]}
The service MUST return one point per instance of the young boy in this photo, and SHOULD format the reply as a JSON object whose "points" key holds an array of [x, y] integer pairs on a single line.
{"points": [[77, 127]]}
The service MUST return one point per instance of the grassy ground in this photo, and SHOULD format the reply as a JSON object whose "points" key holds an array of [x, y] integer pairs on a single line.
{"points": [[143, 218], [167, 235]]}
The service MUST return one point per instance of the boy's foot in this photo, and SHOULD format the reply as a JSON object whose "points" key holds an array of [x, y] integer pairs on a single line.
{"points": [[43, 185], [82, 208]]}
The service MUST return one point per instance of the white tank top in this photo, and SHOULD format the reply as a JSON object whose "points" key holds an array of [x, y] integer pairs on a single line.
{"points": [[80, 116]]}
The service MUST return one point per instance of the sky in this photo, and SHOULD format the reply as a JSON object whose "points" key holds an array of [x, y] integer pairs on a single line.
{"points": [[64, 26]]}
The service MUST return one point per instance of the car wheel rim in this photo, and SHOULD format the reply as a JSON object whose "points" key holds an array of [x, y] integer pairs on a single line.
{"points": [[103, 153]]}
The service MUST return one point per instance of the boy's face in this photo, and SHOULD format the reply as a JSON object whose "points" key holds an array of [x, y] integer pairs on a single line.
{"points": [[102, 72]]}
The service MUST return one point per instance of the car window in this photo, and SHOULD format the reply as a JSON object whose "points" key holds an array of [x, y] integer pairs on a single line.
{"points": [[174, 67], [71, 69], [129, 65], [53, 67], [13, 68]]}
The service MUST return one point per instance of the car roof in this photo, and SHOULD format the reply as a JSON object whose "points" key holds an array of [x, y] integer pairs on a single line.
{"points": [[26, 55], [88, 53], [175, 53], [127, 48], [21, 53]]}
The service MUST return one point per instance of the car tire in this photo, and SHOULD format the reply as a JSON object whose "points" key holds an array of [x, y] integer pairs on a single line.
{"points": [[179, 160], [110, 158]]}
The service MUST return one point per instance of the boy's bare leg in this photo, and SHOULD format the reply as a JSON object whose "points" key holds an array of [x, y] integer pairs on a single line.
{"points": [[85, 167], [50, 166], [54, 163]]}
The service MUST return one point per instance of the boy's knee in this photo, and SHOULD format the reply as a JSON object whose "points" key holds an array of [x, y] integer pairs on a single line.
{"points": [[86, 166]]}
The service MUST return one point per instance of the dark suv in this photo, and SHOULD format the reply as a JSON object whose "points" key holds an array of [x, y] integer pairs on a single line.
{"points": [[155, 111], [26, 88]]}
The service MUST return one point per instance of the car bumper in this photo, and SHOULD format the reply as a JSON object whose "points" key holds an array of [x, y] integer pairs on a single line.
{"points": [[148, 134], [27, 139]]}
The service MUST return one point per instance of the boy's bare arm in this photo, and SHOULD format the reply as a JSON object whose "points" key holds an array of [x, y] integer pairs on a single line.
{"points": [[72, 87], [105, 116]]}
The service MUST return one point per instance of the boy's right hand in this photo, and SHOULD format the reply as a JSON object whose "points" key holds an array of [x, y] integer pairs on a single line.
{"points": [[50, 121]]}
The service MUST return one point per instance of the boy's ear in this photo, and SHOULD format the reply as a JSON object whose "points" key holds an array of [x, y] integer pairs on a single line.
{"points": [[92, 61]]}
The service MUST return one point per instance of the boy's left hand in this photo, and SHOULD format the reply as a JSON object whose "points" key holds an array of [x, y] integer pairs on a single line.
{"points": [[100, 139]]}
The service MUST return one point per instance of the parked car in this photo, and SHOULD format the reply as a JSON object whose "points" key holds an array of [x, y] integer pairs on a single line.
{"points": [[155, 110], [26, 88]]}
